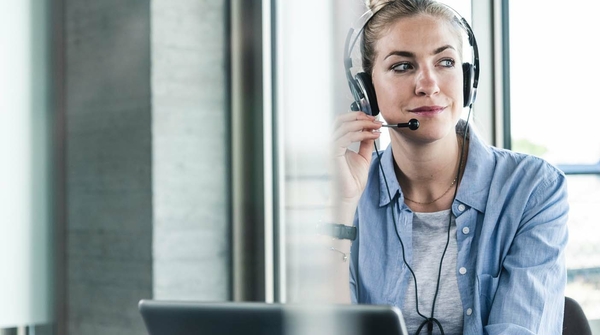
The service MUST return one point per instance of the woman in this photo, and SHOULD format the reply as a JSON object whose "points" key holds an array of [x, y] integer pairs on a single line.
{"points": [[463, 237]]}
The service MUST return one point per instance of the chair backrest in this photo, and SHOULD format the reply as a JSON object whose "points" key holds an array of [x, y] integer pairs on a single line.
{"points": [[575, 322]]}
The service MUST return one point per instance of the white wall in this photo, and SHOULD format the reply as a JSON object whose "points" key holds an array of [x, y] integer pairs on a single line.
{"points": [[25, 245]]}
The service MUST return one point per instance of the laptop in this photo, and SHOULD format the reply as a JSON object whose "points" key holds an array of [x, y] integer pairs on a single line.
{"points": [[164, 317]]}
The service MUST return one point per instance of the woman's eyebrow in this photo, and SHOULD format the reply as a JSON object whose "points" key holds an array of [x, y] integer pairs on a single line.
{"points": [[442, 48], [409, 54], [401, 54]]}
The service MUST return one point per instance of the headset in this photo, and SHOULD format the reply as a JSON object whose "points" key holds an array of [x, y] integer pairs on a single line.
{"points": [[361, 84]]}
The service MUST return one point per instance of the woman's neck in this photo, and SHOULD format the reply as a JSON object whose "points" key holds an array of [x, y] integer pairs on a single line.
{"points": [[427, 172]]}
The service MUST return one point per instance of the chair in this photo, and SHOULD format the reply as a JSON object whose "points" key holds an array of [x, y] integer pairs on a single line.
{"points": [[575, 322]]}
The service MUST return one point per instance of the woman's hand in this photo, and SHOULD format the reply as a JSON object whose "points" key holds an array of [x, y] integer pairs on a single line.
{"points": [[351, 168]]}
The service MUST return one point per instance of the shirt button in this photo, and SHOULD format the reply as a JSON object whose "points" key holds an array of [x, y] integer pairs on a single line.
{"points": [[462, 270], [465, 230], [469, 311], [461, 207]]}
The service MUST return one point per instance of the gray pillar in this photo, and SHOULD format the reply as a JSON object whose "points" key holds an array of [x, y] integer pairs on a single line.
{"points": [[190, 150], [146, 159]]}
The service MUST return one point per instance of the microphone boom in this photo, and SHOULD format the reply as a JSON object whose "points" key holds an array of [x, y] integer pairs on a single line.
{"points": [[412, 124]]}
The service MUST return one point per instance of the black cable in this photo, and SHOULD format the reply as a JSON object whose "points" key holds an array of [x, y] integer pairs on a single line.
{"points": [[396, 228], [427, 321], [460, 167]]}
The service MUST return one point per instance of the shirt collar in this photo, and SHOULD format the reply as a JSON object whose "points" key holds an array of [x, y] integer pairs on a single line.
{"points": [[387, 175], [475, 185]]}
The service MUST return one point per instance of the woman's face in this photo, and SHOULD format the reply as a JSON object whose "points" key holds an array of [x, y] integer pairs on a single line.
{"points": [[418, 74]]}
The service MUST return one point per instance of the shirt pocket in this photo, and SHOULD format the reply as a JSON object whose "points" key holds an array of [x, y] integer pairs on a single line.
{"points": [[488, 285]]}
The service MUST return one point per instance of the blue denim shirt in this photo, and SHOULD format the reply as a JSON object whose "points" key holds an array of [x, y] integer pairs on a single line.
{"points": [[511, 215]]}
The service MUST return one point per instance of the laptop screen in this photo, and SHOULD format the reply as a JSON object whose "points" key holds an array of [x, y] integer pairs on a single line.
{"points": [[162, 317]]}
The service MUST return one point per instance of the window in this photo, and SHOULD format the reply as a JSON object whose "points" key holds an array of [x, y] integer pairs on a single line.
{"points": [[553, 91]]}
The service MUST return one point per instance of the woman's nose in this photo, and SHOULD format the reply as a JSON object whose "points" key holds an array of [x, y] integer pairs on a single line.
{"points": [[426, 83]]}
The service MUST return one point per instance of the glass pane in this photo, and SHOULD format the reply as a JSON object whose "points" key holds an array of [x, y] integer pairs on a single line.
{"points": [[305, 95], [551, 67], [310, 90], [551, 78], [583, 251]]}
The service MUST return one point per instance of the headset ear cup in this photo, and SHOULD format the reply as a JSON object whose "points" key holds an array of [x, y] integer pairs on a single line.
{"points": [[468, 77], [366, 84]]}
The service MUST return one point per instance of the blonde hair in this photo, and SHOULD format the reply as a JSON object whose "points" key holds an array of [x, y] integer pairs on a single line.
{"points": [[375, 5], [387, 12]]}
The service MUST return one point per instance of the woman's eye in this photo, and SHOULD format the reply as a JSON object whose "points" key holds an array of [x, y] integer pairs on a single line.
{"points": [[401, 67], [447, 63]]}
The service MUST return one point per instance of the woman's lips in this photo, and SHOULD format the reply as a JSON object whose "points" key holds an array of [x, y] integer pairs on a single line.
{"points": [[427, 110]]}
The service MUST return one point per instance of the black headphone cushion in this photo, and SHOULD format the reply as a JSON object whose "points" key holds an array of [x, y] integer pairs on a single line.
{"points": [[365, 83], [468, 77]]}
